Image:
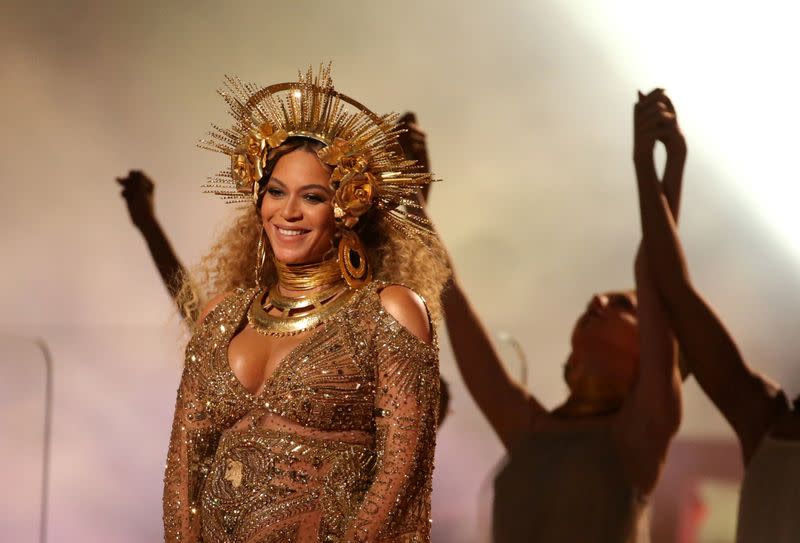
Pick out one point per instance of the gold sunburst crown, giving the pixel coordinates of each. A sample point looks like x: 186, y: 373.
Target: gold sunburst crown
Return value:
x: 369, y: 169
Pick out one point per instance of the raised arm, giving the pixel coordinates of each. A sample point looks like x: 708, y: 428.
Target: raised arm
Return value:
x: 396, y: 506
x: 747, y: 400
x: 652, y: 413
x: 675, y: 144
x: 137, y: 189
x: 506, y: 404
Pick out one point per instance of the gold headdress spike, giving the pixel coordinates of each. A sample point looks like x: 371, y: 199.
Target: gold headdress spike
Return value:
x: 369, y: 168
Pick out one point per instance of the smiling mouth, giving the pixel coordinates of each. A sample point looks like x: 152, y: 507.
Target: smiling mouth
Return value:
x: 291, y: 232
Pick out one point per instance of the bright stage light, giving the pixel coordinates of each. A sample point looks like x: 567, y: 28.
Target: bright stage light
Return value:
x: 732, y: 70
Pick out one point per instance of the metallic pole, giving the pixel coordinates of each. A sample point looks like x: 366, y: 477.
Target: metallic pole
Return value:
x: 48, y: 418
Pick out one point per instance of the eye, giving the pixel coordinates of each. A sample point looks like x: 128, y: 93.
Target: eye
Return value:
x: 314, y: 198
x: 275, y: 192
x: 624, y: 302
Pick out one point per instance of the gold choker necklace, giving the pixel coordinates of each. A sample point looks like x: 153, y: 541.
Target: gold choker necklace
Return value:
x: 312, y: 310
x: 315, y: 300
x: 304, y: 312
x: 308, y: 276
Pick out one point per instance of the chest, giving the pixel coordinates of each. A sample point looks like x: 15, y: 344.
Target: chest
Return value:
x: 330, y: 363
x: 323, y: 378
x: 253, y: 357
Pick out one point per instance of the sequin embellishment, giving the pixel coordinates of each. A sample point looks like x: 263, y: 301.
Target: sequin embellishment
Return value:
x: 281, y: 465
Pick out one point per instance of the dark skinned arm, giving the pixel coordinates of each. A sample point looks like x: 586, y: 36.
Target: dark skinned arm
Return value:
x: 747, y: 400
x: 651, y: 415
x: 137, y: 189
x: 509, y: 408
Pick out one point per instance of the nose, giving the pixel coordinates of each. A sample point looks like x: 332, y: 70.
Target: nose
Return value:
x: 599, y: 302
x: 291, y: 209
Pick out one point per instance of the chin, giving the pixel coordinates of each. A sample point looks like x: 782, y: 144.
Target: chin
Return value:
x: 292, y: 257
x: 297, y: 255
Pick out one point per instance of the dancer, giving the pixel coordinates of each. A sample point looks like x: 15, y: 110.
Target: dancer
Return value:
x: 307, y: 406
x: 583, y: 471
x: 768, y: 429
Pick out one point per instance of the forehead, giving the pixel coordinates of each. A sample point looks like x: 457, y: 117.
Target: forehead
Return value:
x: 300, y: 164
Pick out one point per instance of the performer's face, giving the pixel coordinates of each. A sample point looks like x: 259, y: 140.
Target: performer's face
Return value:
x: 296, y: 209
x: 605, y: 346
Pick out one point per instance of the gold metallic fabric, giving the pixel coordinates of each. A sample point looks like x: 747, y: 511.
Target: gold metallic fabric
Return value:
x: 338, y: 446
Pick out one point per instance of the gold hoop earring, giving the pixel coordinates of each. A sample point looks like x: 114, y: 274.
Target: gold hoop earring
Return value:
x: 261, y: 256
x: 353, y: 260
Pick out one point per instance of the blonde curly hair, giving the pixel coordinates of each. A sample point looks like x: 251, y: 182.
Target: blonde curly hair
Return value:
x: 417, y: 263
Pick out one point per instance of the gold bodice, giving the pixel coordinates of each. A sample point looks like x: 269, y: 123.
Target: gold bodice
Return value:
x: 325, y: 382
x: 360, y: 373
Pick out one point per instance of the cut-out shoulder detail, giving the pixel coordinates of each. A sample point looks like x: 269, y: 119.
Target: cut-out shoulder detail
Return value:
x: 408, y: 308
x: 209, y: 307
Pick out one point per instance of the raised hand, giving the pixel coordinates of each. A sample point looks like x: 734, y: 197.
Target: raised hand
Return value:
x: 655, y: 120
x: 413, y: 140
x: 414, y: 146
x: 137, y: 189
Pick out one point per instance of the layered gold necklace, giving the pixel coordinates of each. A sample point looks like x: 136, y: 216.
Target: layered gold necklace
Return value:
x: 326, y: 294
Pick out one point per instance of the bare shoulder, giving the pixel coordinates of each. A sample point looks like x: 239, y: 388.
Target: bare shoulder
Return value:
x: 408, y: 308
x: 212, y: 303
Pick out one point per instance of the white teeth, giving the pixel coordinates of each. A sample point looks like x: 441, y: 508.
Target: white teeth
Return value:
x: 285, y: 232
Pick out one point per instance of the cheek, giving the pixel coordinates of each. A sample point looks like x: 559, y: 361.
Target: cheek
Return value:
x: 632, y: 335
x: 268, y: 208
x: 321, y: 216
x: 625, y: 330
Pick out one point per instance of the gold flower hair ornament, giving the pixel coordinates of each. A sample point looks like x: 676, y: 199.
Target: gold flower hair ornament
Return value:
x: 370, y: 170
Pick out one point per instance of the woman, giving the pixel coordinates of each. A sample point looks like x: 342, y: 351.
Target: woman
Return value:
x: 583, y: 471
x: 138, y: 192
x: 768, y: 429
x: 307, y: 406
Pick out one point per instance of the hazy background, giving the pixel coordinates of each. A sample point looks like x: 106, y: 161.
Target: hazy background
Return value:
x: 527, y: 106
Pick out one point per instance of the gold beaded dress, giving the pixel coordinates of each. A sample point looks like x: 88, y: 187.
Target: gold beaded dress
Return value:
x: 284, y: 465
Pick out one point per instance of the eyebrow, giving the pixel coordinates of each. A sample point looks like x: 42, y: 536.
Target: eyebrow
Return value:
x: 304, y: 187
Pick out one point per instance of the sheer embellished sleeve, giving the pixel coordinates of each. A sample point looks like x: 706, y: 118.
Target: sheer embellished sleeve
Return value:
x: 190, y: 450
x: 396, y: 506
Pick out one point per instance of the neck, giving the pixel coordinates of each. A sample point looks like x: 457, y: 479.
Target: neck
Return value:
x: 582, y: 407
x: 302, y: 279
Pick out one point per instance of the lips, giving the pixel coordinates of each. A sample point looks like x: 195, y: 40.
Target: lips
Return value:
x: 289, y: 233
